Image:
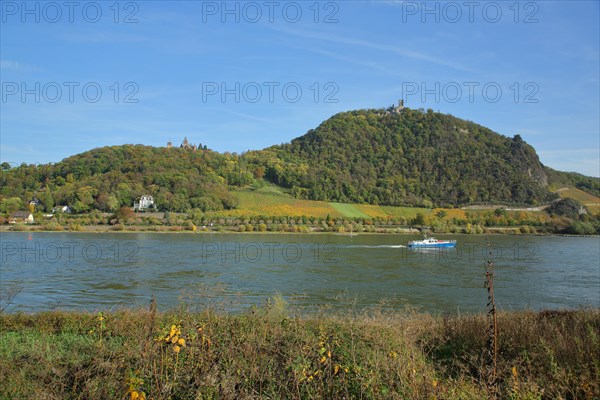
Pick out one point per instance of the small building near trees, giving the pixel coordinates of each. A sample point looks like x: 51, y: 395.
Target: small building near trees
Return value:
x: 144, y: 204
x: 62, y: 209
x: 20, y: 217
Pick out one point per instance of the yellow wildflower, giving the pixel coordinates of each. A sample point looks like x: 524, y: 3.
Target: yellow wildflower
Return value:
x: 323, y: 360
x: 181, y: 342
x: 135, y: 395
x: 176, y: 349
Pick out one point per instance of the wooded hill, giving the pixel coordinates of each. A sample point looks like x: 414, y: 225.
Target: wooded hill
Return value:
x: 406, y: 158
x: 368, y: 156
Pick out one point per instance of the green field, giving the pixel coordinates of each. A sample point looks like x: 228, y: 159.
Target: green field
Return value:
x: 274, y: 201
x: 349, y: 210
x: 271, y: 200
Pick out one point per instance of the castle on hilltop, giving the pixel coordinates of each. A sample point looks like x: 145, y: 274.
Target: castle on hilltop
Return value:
x: 393, y: 109
x: 187, y: 146
x: 396, y: 109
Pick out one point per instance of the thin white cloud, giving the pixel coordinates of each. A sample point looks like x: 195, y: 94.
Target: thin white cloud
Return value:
x: 244, y: 115
x: 357, y: 61
x: 17, y: 66
x: 406, y: 53
x: 394, y: 3
x: 104, y: 37
x: 572, y: 152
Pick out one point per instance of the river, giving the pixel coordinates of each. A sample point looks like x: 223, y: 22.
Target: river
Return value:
x: 107, y: 271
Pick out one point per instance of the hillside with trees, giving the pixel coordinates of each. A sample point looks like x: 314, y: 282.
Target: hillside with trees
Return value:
x: 108, y: 178
x: 586, y: 183
x: 406, y: 158
x: 381, y: 157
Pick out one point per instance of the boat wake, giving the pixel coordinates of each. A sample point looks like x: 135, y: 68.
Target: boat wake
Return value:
x: 381, y: 246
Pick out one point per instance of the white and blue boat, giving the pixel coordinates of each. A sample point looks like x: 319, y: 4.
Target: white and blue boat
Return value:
x: 431, y: 243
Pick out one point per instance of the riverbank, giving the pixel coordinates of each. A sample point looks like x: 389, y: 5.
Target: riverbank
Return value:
x: 268, y: 353
x: 344, y: 218
x: 517, y: 230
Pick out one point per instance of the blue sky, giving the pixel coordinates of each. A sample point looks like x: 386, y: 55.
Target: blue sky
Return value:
x: 247, y: 75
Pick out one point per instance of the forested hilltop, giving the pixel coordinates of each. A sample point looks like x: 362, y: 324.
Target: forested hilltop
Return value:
x: 385, y: 157
x: 406, y: 158
x: 110, y: 177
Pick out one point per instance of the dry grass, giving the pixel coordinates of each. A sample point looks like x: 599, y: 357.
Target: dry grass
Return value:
x: 254, y: 203
x: 267, y: 353
x: 405, y: 212
x: 552, y: 354
x: 577, y: 194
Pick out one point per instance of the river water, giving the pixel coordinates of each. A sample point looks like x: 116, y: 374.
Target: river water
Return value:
x: 107, y: 271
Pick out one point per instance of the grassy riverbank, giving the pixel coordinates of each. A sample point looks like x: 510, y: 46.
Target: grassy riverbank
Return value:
x: 267, y: 353
x: 270, y: 209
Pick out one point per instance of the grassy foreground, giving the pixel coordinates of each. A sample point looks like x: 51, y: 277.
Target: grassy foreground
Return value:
x: 266, y: 353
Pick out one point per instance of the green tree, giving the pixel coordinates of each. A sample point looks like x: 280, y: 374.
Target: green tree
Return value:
x: 124, y: 215
x: 123, y: 194
x: 11, y: 204
x: 112, y: 203
x: 418, y: 220
x: 48, y: 201
x: 85, y: 196
x: 500, y: 212
x: 179, y: 203
x: 569, y: 208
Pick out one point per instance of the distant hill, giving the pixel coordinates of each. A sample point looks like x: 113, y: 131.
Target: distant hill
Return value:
x: 369, y: 156
x: 110, y: 177
x: 406, y: 158
x: 586, y: 183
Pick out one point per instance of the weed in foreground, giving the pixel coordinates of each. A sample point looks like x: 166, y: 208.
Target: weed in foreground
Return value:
x: 267, y: 353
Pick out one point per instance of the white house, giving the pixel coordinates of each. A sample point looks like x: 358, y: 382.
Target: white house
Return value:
x: 62, y: 209
x: 145, y: 203
x: 34, y: 202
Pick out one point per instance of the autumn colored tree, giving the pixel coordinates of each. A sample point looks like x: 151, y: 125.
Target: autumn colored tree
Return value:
x: 123, y: 216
